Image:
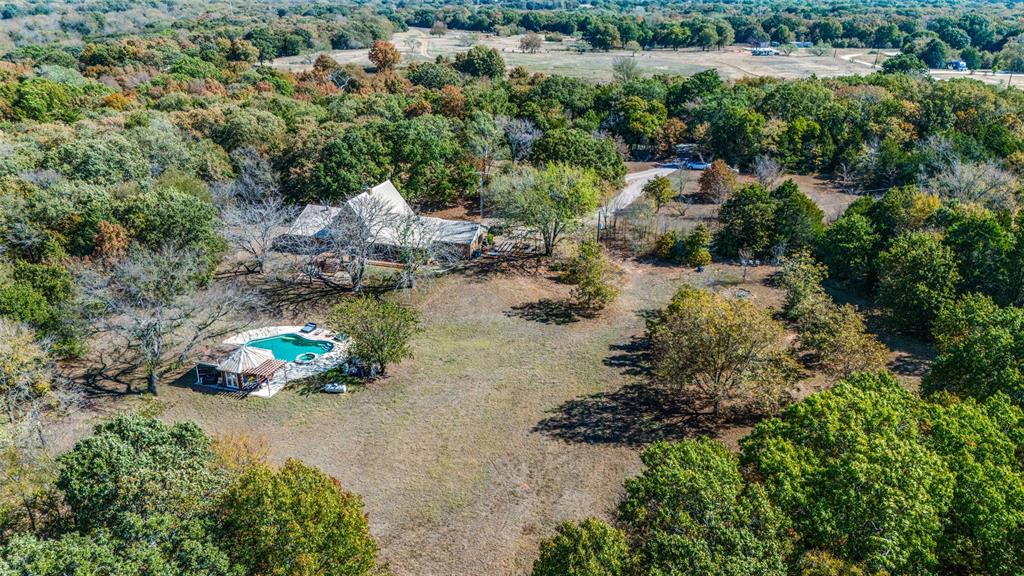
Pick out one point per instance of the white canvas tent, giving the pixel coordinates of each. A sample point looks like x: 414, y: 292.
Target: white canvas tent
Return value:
x: 403, y: 226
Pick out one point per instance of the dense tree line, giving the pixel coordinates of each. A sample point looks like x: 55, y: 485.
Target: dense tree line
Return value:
x: 142, y: 497
x: 865, y: 478
x: 935, y: 33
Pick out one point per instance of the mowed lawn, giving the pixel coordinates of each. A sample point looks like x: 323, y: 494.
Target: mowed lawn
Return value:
x: 452, y: 452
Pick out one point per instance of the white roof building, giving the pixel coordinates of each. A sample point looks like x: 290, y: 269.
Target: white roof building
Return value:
x: 384, y: 206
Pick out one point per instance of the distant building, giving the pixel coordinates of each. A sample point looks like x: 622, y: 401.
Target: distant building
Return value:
x: 803, y: 44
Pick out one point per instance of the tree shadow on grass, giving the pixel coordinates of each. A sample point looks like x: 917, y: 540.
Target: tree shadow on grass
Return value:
x: 635, y: 415
x: 545, y: 311
x: 639, y: 413
x: 633, y: 358
x: 313, y: 385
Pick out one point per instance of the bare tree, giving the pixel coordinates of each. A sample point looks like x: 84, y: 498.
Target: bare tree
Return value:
x: 256, y: 179
x: 149, y: 306
x: 986, y: 184
x: 486, y: 144
x: 520, y: 134
x: 26, y: 381
x: 252, y: 225
x: 419, y: 246
x: 768, y: 171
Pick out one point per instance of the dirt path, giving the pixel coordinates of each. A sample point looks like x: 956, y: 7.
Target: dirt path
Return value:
x: 634, y: 187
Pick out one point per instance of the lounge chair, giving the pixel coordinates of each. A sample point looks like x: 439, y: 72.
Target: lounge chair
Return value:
x: 308, y: 328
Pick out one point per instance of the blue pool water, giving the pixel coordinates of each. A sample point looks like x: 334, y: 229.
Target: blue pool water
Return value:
x: 288, y: 347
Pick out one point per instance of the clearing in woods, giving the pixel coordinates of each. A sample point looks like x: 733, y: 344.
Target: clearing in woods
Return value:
x: 417, y: 45
x: 733, y: 62
x: 513, y: 415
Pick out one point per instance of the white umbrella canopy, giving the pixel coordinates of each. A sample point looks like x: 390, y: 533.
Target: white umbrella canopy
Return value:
x: 244, y: 359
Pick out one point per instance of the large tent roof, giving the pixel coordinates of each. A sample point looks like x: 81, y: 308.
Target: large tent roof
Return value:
x: 398, y: 223
x: 386, y: 195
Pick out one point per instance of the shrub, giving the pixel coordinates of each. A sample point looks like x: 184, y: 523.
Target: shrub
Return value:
x: 591, y: 272
x: 587, y: 548
x: 717, y: 182
x: 380, y: 329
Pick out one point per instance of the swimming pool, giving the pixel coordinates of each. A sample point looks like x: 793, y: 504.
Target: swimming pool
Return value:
x: 288, y: 347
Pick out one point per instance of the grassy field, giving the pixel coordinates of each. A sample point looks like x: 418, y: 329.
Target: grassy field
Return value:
x: 450, y: 451
x: 734, y: 62
x: 514, y: 414
x: 416, y: 45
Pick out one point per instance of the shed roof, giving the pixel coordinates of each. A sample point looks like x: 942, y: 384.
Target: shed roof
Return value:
x: 244, y: 360
x: 313, y: 220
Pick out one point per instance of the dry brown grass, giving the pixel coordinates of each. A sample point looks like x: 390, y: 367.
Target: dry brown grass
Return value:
x: 506, y: 422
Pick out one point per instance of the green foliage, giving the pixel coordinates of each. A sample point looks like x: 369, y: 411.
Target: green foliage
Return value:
x: 355, y: 158
x: 295, y: 521
x: 480, y: 61
x: 835, y: 335
x: 904, y: 64
x: 587, y: 548
x: 21, y: 303
x: 690, y: 512
x: 135, y: 467
x: 798, y: 222
x: 762, y: 222
x: 168, y: 217
x: 696, y: 247
x: 99, y: 159
x: 983, y: 248
x: 248, y: 127
x: 659, y: 190
x: 591, y: 272
x: 746, y: 220
x: 715, y: 350
x: 665, y: 245
x: 428, y: 155
x: 99, y: 552
x: 801, y: 279
x: 380, y: 329
x: 192, y: 67
x: 45, y: 101
x: 550, y: 201
x: 849, y: 247
x: 577, y: 148
x: 849, y: 458
x: 433, y: 75
x: 916, y: 276
x: 981, y: 443
x: 981, y: 349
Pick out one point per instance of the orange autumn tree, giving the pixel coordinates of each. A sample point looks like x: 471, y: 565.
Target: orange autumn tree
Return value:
x: 384, y: 55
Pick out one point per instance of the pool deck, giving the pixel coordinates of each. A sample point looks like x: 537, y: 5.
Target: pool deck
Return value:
x: 291, y: 370
x: 271, y: 331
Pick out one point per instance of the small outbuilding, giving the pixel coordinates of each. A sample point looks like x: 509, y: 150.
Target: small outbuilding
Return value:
x: 248, y: 367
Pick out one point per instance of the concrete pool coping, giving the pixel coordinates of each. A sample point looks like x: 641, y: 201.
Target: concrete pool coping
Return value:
x: 292, y: 371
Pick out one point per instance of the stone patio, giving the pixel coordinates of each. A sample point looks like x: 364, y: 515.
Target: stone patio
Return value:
x: 292, y: 371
